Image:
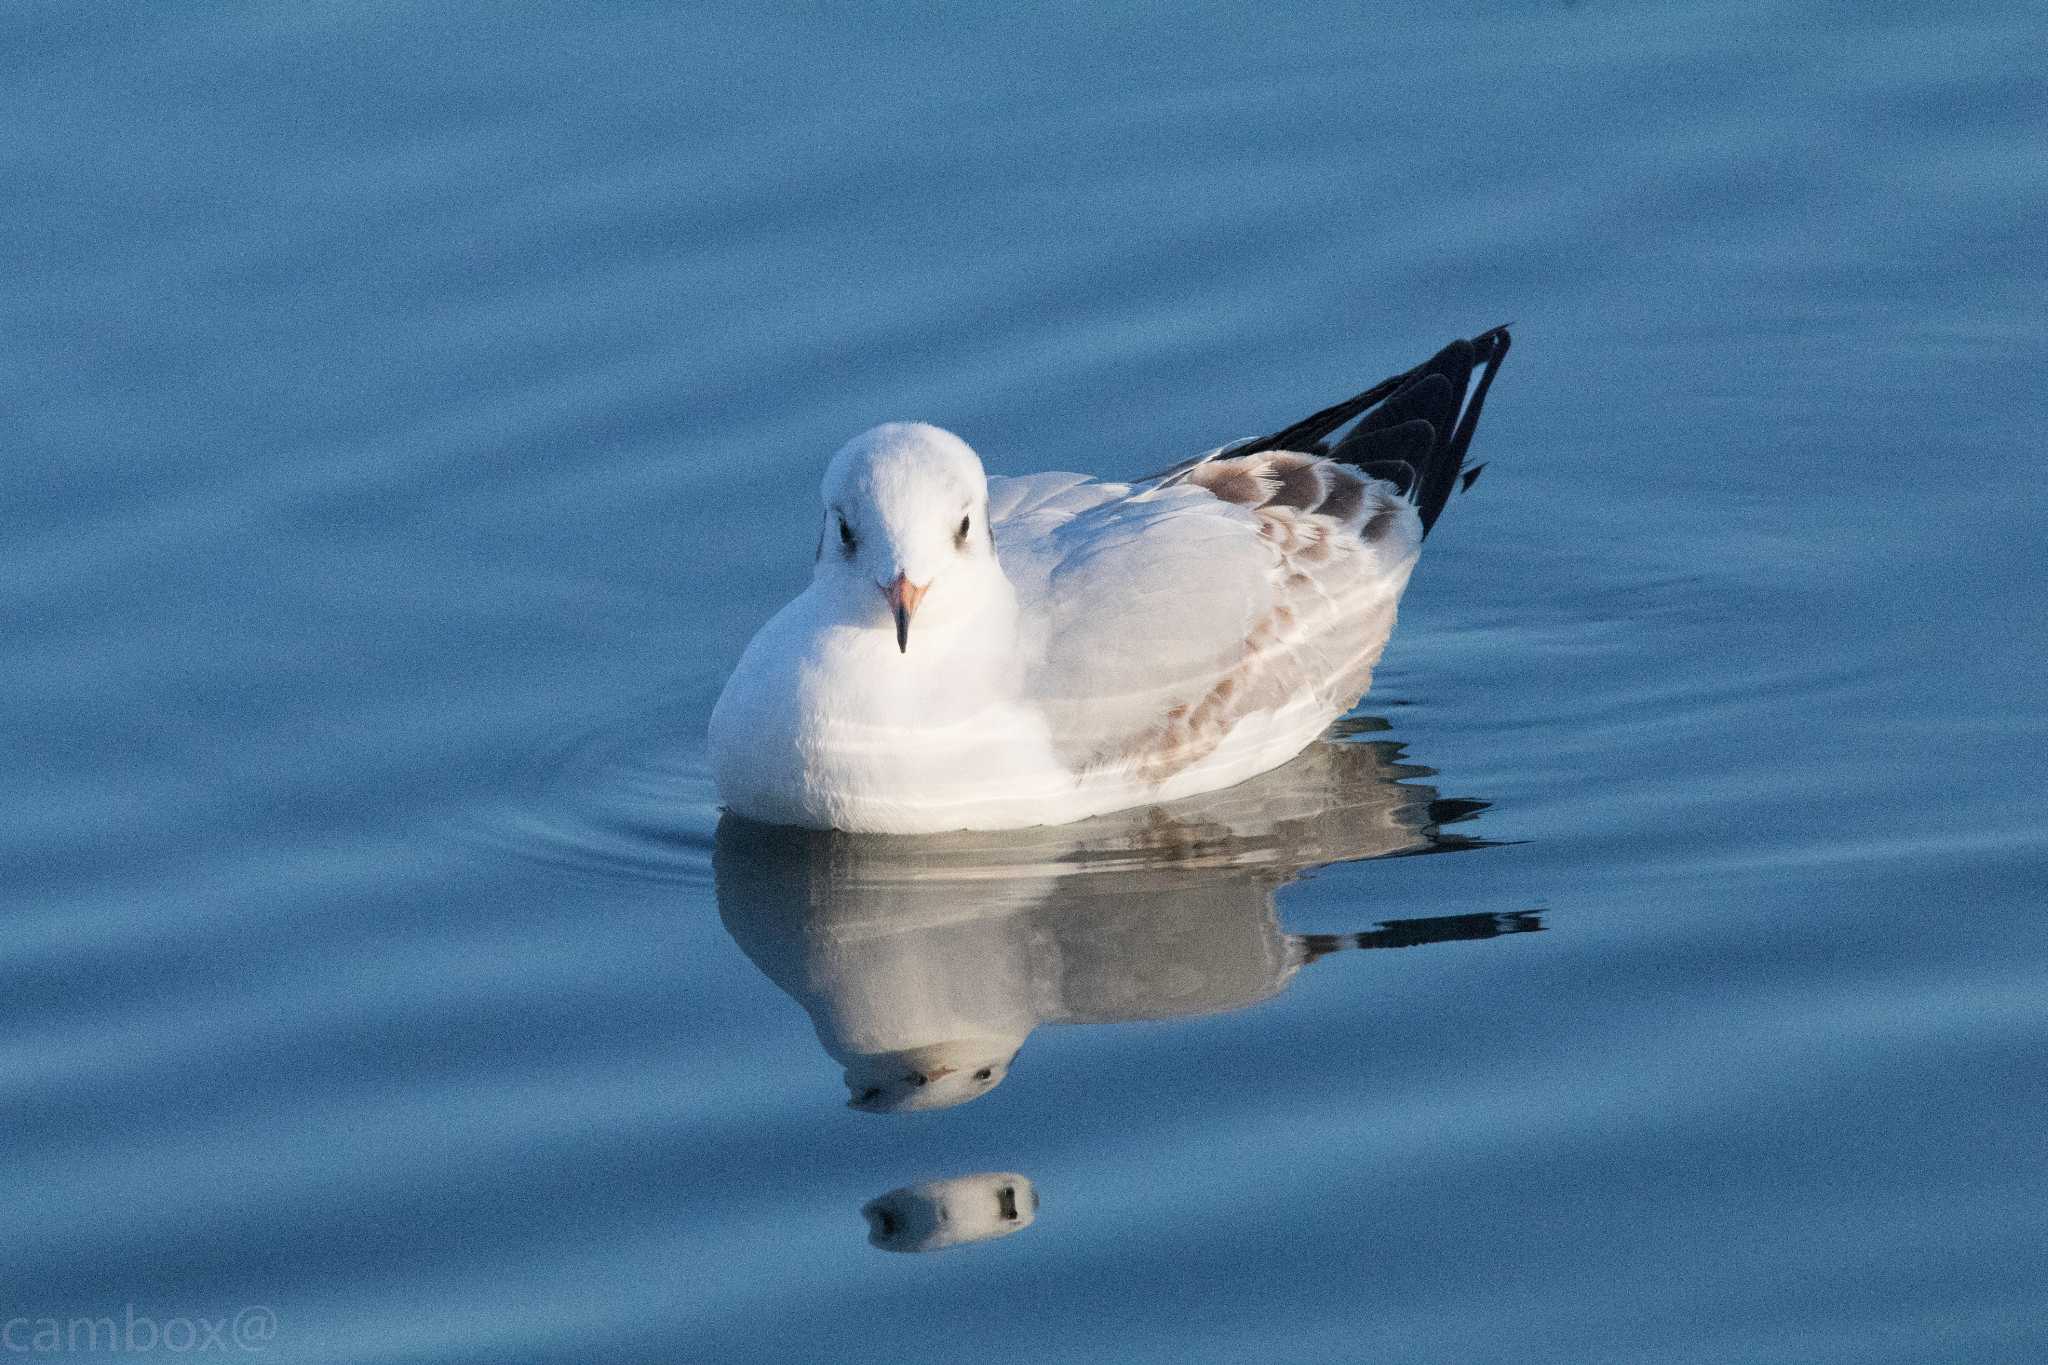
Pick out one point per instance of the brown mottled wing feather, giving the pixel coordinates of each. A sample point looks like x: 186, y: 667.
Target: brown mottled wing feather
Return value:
x: 1257, y: 583
x: 1412, y: 429
x: 1340, y: 546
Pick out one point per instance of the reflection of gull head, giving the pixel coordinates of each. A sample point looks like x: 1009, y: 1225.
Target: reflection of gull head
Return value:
x: 937, y: 1076
x: 950, y: 1213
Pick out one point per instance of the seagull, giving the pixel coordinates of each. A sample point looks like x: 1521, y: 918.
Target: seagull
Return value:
x: 998, y: 653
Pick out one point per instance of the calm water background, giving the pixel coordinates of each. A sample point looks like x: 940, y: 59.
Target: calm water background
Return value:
x: 407, y: 412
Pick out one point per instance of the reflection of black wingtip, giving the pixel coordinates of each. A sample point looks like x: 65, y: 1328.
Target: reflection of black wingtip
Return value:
x: 1451, y: 809
x: 1414, y: 933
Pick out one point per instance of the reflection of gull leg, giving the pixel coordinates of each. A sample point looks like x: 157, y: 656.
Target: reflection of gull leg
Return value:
x: 1413, y: 933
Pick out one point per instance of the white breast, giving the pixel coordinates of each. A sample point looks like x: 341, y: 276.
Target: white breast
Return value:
x: 832, y: 727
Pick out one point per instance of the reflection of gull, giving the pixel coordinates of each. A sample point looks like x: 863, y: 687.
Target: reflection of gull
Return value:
x: 949, y: 1213
x: 1082, y: 646
x: 924, y: 963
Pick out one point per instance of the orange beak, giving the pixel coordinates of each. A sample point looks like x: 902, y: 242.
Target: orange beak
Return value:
x: 903, y: 597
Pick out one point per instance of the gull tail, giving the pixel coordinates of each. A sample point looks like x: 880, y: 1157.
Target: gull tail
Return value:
x: 1413, y: 429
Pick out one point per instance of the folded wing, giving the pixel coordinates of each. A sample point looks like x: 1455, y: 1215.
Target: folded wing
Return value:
x: 1163, y: 615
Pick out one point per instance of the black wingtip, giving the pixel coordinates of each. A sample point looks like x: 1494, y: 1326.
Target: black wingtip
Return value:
x: 1413, y: 428
x: 1424, y: 417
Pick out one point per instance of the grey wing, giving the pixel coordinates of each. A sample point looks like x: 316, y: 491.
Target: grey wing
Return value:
x: 1162, y: 614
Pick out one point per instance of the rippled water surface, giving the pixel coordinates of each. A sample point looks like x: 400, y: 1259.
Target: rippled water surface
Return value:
x: 408, y: 411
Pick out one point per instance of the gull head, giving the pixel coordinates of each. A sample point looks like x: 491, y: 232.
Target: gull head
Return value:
x: 906, y: 528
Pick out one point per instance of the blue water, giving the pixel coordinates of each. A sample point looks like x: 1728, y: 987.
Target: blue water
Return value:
x: 408, y: 411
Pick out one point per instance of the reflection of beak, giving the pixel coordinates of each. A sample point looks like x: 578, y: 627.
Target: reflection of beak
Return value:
x: 903, y: 597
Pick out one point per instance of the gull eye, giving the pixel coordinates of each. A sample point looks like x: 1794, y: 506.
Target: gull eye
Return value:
x: 960, y: 536
x: 846, y: 535
x: 984, y: 1073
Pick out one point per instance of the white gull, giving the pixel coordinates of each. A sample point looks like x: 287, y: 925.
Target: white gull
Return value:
x: 994, y: 653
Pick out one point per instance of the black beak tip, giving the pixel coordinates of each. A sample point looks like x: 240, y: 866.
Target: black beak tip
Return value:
x: 902, y: 631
